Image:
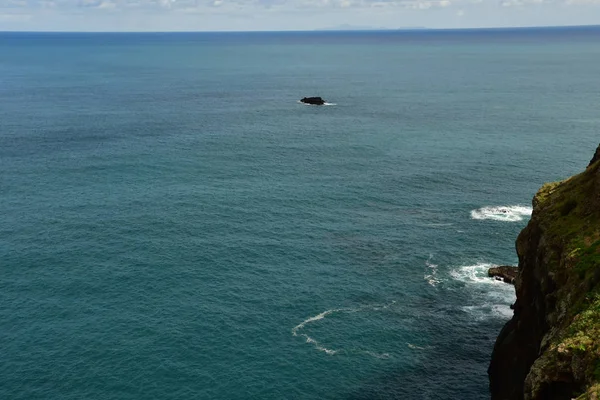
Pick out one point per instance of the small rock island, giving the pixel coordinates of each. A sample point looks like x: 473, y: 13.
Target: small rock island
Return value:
x: 315, y: 101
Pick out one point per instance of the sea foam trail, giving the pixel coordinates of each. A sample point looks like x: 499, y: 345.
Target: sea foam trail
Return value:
x: 502, y: 213
x: 317, y: 317
x: 382, y: 356
x: 296, y: 330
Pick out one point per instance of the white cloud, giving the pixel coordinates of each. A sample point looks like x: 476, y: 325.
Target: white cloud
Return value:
x: 511, y: 3
x: 582, y: 2
x: 107, y: 5
x: 15, y: 17
x: 263, y: 4
x: 289, y: 14
x: 13, y: 4
x: 425, y: 4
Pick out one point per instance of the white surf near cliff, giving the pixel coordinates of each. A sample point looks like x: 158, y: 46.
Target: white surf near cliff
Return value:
x: 502, y: 213
x: 495, y: 297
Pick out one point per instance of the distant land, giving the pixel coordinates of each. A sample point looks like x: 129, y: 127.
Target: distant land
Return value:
x: 348, y: 27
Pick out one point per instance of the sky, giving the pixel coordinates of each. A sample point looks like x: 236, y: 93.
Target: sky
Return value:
x: 252, y: 15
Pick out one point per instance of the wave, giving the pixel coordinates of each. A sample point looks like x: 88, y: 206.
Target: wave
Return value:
x: 476, y: 273
x: 325, y: 104
x: 431, y: 272
x: 318, y: 346
x: 496, y: 297
x: 437, y: 225
x: 502, y: 213
x: 382, y: 356
x: 487, y: 310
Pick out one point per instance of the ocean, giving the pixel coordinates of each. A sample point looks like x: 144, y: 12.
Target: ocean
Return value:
x: 174, y: 224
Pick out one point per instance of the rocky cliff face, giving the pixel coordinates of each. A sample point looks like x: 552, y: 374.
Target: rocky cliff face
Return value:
x: 550, y: 349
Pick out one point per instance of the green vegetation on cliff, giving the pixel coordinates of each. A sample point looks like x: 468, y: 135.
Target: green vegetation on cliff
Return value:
x: 552, y: 344
x: 569, y: 214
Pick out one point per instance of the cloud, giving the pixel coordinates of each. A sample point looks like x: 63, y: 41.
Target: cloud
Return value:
x: 520, y: 3
x: 15, y: 17
x: 269, y: 4
x: 107, y: 5
x: 510, y: 3
x: 288, y: 14
x: 13, y: 4
x: 582, y: 2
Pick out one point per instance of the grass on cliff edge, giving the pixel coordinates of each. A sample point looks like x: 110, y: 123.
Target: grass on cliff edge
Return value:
x: 582, y: 340
x: 569, y: 214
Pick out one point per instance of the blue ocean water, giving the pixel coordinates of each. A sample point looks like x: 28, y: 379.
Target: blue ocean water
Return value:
x: 174, y: 224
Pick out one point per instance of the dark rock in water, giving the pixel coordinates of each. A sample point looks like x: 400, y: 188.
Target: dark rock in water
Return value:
x: 504, y: 272
x: 596, y: 156
x: 317, y: 101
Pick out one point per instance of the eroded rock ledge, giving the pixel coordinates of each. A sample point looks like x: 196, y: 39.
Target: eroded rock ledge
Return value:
x: 504, y: 273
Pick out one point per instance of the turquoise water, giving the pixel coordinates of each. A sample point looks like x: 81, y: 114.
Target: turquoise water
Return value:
x: 176, y: 225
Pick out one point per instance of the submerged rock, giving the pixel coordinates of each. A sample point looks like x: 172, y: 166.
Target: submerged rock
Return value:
x: 317, y: 101
x: 506, y: 273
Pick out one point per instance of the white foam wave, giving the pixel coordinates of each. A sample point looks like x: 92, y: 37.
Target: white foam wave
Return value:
x: 414, y: 346
x: 437, y: 224
x: 489, y: 310
x: 324, y: 104
x: 502, y: 213
x: 476, y: 273
x: 313, y: 319
x: 382, y: 356
x: 493, y: 298
x: 503, y: 311
x: 318, y: 346
x: 374, y: 308
x: 431, y: 272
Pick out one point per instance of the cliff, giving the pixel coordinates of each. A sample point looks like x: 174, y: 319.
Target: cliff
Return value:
x: 550, y: 349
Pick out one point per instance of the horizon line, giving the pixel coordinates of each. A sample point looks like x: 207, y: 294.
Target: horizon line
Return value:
x: 325, y: 30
